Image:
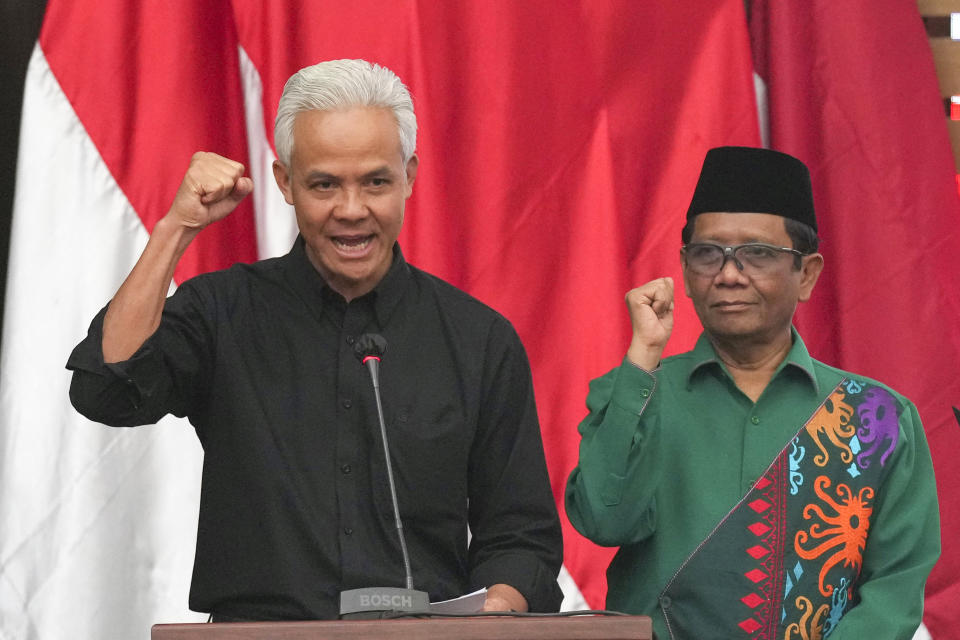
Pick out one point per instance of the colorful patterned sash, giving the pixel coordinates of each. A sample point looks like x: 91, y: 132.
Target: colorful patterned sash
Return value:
x: 784, y: 563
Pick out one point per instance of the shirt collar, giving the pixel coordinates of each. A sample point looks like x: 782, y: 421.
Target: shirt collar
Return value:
x: 315, y: 292
x: 798, y: 358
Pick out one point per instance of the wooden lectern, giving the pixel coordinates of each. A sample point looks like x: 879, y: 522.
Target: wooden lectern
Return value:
x: 484, y: 628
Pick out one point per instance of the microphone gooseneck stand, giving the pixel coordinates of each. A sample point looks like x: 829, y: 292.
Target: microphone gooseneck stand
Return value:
x: 376, y: 602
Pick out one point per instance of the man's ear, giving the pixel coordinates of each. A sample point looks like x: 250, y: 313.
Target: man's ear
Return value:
x: 411, y: 172
x: 282, y: 176
x: 809, y: 273
x: 686, y: 281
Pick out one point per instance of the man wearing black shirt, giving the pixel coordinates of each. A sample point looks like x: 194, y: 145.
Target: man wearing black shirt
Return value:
x: 295, y: 505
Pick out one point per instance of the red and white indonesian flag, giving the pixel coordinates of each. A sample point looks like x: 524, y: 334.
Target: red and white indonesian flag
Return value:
x: 559, y: 146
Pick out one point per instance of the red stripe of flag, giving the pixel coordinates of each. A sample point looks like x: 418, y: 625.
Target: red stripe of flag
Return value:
x: 161, y: 83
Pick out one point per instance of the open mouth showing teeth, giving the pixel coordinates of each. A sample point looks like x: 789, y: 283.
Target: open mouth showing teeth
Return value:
x: 352, y: 243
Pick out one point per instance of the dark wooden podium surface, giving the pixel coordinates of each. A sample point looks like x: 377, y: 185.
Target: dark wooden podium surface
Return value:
x: 485, y: 628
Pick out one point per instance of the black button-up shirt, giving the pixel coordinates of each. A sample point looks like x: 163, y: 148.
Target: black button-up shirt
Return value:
x: 295, y: 502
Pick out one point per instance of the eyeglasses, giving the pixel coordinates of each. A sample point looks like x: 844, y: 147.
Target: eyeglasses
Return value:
x: 753, y: 258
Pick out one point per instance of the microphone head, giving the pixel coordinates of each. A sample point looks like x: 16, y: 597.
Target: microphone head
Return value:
x: 369, y: 345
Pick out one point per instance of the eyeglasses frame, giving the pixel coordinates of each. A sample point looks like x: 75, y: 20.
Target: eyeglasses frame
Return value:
x: 729, y: 252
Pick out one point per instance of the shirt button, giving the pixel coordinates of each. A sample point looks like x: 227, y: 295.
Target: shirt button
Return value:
x: 348, y: 531
x: 351, y: 340
x: 644, y: 392
x: 665, y: 602
x: 345, y: 468
x: 755, y: 419
x: 346, y: 403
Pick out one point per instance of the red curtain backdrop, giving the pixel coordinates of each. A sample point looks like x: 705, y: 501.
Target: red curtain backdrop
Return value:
x: 853, y: 93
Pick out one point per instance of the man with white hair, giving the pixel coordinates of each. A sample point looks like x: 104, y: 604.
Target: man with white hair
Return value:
x: 295, y: 503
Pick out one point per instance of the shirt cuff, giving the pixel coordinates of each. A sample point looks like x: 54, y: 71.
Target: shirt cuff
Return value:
x: 525, y: 573
x: 633, y: 387
x: 111, y: 393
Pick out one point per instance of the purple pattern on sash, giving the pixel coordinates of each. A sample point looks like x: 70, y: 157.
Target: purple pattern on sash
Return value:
x: 879, y: 426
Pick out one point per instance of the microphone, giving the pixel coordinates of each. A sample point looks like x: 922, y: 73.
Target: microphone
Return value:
x: 369, y: 602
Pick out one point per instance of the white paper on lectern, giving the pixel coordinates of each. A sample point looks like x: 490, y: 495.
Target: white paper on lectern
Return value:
x: 469, y: 603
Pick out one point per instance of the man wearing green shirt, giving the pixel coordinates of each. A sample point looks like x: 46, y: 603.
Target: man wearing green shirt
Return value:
x: 754, y: 492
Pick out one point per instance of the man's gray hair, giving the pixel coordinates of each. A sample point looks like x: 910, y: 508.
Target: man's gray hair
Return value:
x: 341, y: 84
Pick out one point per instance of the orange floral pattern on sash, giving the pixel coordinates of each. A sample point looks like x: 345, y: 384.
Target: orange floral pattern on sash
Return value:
x: 843, y: 530
x: 832, y: 420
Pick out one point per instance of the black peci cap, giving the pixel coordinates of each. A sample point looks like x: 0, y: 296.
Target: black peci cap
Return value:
x: 751, y: 180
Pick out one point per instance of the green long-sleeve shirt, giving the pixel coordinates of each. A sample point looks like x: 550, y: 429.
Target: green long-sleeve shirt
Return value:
x: 665, y: 455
